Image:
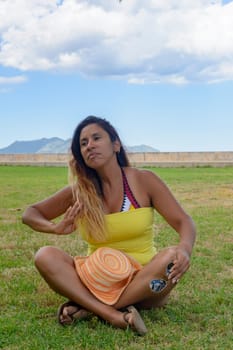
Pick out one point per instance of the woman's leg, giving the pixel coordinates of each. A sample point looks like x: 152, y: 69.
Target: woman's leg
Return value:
x: 57, y: 268
x: 150, y: 287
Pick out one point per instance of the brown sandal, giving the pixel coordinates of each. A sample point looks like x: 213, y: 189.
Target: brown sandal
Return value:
x: 137, y: 324
x: 69, y: 312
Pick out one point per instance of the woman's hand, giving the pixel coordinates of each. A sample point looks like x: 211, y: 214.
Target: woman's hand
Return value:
x: 181, y: 264
x: 68, y: 223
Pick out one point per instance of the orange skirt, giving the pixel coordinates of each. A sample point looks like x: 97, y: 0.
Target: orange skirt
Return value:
x: 106, y: 273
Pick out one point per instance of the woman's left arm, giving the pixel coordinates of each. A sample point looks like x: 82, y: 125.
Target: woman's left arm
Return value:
x: 165, y: 203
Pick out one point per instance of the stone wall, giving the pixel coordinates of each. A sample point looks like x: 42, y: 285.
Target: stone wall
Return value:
x: 160, y: 159
x: 183, y: 159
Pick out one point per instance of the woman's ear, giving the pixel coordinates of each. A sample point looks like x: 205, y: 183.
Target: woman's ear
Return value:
x: 116, y: 146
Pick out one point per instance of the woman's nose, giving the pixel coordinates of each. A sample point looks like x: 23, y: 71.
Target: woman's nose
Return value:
x: 90, y: 144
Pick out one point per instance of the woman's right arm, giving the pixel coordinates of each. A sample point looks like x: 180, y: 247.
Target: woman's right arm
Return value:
x: 39, y: 216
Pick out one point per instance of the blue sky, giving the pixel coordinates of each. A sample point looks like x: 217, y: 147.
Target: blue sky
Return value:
x: 161, y: 73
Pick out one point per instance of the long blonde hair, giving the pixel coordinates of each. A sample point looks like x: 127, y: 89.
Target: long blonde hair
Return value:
x: 86, y: 183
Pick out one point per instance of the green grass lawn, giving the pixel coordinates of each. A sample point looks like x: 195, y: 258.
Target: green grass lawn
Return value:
x: 199, y: 314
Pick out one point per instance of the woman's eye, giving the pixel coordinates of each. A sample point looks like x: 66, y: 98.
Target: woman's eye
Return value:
x: 96, y: 138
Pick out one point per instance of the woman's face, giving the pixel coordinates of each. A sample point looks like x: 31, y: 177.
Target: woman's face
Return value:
x: 96, y: 147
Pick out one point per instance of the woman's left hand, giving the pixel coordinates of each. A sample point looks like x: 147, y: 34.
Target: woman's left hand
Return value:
x: 181, y: 264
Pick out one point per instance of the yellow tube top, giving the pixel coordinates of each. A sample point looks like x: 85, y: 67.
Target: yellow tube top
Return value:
x: 129, y: 231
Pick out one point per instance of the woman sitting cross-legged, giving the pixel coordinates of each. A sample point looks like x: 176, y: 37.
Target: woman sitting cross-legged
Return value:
x: 112, y: 206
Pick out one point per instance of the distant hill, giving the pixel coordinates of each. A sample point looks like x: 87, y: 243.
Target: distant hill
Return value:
x: 141, y: 149
x: 56, y: 145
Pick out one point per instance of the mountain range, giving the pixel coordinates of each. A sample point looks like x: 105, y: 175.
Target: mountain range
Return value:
x: 57, y: 145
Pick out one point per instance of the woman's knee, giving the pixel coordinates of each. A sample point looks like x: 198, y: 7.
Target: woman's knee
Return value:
x: 44, y: 256
x: 51, y: 259
x: 161, y: 264
x: 165, y: 256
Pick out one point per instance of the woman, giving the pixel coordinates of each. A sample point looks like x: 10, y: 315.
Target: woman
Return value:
x: 111, y: 204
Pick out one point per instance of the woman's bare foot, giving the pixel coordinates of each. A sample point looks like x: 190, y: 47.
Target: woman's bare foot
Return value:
x: 70, y: 312
x: 134, y: 320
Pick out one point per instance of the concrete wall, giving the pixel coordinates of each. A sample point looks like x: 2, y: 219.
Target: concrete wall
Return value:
x: 160, y: 159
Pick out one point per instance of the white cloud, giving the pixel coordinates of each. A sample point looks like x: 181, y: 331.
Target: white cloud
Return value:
x: 19, y: 79
x: 7, y: 82
x: 137, y: 40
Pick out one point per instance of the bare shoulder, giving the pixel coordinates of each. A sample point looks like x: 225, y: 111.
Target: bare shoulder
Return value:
x: 151, y: 190
x: 144, y: 183
x: 142, y: 175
